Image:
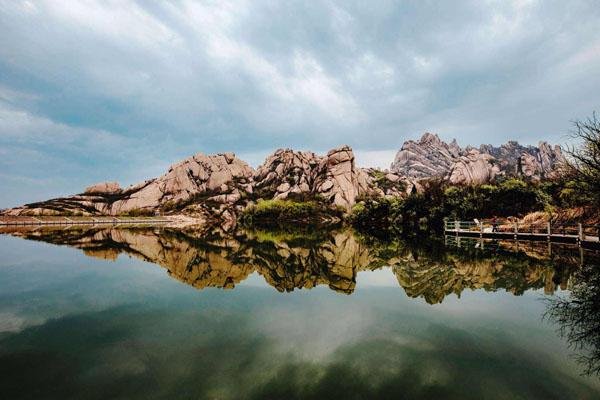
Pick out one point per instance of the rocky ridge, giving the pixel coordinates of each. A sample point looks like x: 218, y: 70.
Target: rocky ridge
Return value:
x: 432, y: 157
x: 218, y: 187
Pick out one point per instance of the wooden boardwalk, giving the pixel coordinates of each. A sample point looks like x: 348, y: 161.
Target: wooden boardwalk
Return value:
x: 57, y: 220
x: 584, y: 235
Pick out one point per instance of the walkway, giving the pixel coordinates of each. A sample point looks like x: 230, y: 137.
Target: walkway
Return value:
x: 583, y: 235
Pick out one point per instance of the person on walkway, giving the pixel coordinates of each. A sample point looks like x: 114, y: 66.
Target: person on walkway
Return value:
x: 494, y: 224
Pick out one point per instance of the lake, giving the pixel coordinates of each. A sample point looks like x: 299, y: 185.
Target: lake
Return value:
x: 96, y: 313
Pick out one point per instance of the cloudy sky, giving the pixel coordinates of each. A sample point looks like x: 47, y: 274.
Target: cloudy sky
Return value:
x: 117, y: 90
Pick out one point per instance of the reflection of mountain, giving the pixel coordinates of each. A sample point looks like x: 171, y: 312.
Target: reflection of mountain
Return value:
x: 434, y: 280
x: 288, y: 262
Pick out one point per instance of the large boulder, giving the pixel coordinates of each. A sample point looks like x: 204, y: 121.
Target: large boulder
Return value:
x: 333, y: 177
x: 195, y: 177
x: 474, y: 168
x: 429, y: 157
x: 104, y: 188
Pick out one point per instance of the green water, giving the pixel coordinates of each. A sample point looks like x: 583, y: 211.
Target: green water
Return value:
x: 152, y: 313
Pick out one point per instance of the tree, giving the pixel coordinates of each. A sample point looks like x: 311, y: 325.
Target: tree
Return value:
x: 583, y: 163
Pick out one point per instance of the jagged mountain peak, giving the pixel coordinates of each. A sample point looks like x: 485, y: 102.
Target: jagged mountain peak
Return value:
x: 432, y: 157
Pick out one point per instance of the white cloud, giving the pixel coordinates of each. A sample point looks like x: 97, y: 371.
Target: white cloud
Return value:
x: 20, y: 126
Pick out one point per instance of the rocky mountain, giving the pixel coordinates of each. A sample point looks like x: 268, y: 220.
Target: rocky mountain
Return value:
x: 432, y: 157
x: 429, y: 157
x: 217, y: 178
x: 333, y: 177
x: 218, y: 187
x: 221, y: 185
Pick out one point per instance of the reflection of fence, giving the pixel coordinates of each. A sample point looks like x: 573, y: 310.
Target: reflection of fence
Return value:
x: 567, y: 253
x: 56, y: 220
x: 584, y: 235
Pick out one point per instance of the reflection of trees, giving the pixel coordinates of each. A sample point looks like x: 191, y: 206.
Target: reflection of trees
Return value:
x: 288, y: 261
x: 578, y: 317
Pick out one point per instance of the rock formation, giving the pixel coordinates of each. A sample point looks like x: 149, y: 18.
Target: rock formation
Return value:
x: 334, y: 177
x: 427, y: 158
x: 473, y: 168
x: 104, y: 187
x: 218, y: 187
x: 431, y: 157
x: 220, y: 178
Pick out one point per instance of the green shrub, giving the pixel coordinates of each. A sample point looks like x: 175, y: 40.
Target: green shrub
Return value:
x: 139, y: 212
x: 427, y: 210
x: 278, y: 212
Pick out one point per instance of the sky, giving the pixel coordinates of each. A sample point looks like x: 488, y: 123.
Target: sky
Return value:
x: 95, y: 91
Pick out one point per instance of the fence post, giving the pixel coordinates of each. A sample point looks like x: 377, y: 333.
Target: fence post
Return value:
x: 480, y: 229
x: 581, y: 235
x: 516, y: 229
x: 548, y: 227
x: 456, y: 226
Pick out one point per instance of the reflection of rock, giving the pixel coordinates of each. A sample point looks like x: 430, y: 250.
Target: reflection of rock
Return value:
x: 434, y: 280
x: 288, y: 262
x: 334, y: 262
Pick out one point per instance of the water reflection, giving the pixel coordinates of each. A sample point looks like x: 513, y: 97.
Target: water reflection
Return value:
x: 578, y: 317
x: 287, y: 261
x: 91, y: 329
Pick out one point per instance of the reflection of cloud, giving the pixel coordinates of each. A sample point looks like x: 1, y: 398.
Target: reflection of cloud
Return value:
x: 10, y: 322
x: 336, y: 327
x: 383, y: 277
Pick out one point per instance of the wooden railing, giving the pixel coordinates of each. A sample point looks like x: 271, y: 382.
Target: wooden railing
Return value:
x: 580, y: 232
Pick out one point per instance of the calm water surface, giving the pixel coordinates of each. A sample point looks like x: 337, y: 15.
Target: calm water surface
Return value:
x: 159, y: 313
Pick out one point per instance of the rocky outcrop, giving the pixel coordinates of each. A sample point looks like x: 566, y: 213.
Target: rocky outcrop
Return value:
x: 218, y: 187
x: 431, y: 157
x: 334, y: 177
x: 427, y: 158
x: 473, y: 168
x: 218, y: 179
x: 104, y: 187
